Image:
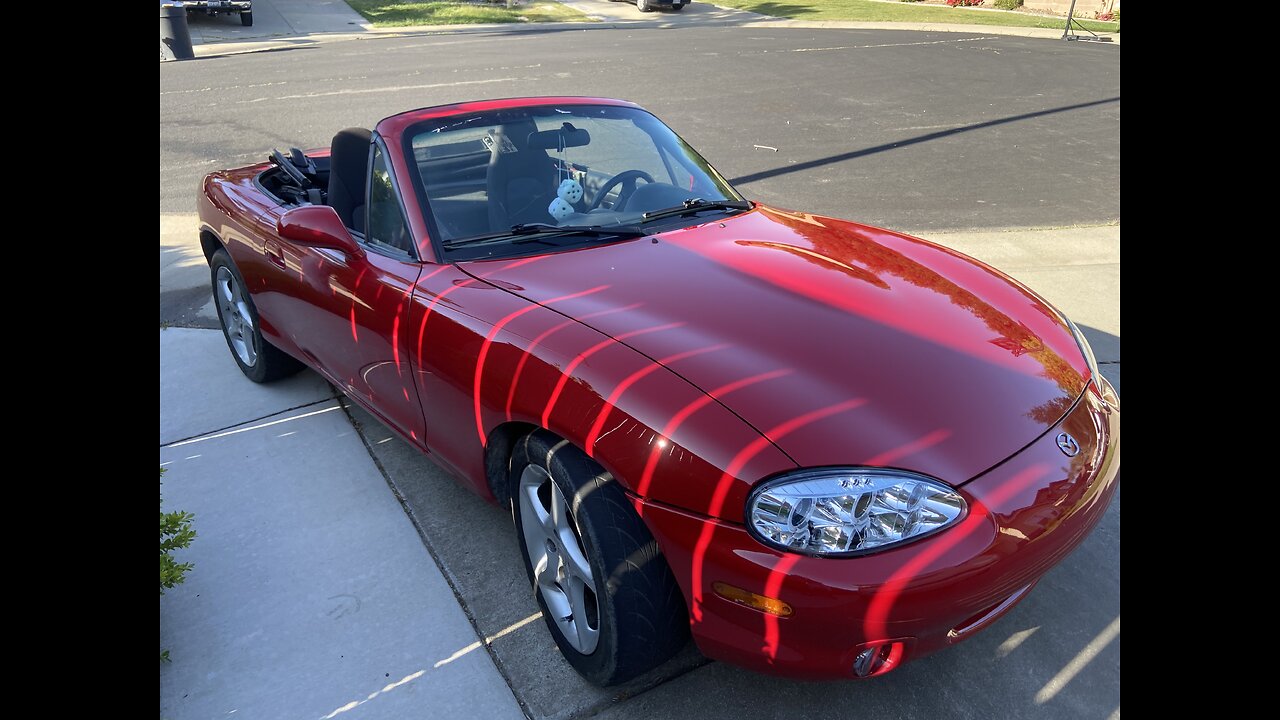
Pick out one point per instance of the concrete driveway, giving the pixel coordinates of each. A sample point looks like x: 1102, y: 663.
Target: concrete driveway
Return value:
x: 275, y: 19
x: 312, y: 594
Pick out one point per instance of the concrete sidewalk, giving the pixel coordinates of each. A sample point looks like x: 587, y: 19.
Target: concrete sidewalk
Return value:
x: 312, y: 594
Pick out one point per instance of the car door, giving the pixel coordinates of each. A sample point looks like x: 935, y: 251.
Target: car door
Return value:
x: 358, y: 304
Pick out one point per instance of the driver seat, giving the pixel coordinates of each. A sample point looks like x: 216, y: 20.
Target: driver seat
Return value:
x: 348, y: 171
x: 521, y: 180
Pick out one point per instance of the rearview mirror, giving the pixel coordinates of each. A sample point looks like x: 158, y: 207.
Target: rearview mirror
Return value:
x: 566, y: 136
x: 317, y: 226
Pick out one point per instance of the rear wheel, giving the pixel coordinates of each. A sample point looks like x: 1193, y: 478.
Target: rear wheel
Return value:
x: 605, y: 590
x: 259, y: 360
x: 246, y: 19
x: 644, y: 5
x: 677, y: 8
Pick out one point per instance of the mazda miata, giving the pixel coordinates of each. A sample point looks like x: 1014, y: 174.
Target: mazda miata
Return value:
x: 822, y: 448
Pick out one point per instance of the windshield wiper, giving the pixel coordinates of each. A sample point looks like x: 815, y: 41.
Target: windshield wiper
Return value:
x: 693, y: 205
x: 536, y: 232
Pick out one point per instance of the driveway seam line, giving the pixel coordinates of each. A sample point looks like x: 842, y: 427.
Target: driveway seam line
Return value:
x: 435, y: 558
x: 215, y: 431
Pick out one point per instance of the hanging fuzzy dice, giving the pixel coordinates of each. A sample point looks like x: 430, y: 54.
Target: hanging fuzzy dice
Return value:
x: 569, y: 192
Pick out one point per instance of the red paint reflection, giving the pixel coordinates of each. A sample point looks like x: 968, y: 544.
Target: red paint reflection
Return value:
x: 915, y: 446
x: 876, y: 625
x: 730, y: 475
x: 426, y: 315
x: 583, y: 356
x: 772, y: 587
x: 630, y: 380
x: 533, y: 344
x: 651, y: 465
x: 488, y: 341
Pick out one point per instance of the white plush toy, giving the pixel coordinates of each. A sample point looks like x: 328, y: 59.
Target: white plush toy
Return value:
x: 568, y: 193
x: 559, y: 209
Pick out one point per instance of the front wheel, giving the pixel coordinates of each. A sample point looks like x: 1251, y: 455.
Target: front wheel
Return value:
x: 678, y: 8
x: 259, y: 360
x: 643, y: 6
x: 246, y: 19
x: 605, y: 590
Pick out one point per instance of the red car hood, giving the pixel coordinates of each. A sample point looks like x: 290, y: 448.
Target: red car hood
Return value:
x: 866, y: 347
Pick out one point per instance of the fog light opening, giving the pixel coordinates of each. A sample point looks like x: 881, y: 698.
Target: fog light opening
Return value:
x: 764, y: 604
x: 877, y: 659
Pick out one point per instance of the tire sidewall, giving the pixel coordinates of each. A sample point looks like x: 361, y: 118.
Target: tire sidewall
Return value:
x: 564, y: 463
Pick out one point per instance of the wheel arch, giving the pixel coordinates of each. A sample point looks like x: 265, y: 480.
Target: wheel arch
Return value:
x: 498, y: 450
x: 210, y: 243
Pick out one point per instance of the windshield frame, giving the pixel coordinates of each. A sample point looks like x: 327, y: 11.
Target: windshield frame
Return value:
x: 448, y: 255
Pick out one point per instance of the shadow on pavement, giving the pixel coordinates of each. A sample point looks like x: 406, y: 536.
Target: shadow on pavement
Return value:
x: 809, y: 165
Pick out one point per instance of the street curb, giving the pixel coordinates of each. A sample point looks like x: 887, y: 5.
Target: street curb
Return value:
x: 240, y: 47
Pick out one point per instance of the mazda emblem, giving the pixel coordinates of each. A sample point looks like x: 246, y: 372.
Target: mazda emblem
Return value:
x: 1068, y: 445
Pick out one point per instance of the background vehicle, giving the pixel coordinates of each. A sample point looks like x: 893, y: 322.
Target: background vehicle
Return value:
x: 243, y: 8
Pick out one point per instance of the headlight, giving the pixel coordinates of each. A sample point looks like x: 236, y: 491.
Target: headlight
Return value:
x: 849, y: 511
x: 1086, y: 350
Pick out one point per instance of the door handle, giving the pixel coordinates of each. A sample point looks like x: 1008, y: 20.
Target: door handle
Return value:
x: 275, y: 255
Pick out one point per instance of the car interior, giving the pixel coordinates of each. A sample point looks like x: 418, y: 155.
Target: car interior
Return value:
x: 483, y: 181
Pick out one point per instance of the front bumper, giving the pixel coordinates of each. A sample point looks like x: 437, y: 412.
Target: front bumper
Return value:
x: 1025, y: 515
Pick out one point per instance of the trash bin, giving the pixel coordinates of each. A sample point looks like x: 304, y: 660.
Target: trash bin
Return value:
x: 175, y: 36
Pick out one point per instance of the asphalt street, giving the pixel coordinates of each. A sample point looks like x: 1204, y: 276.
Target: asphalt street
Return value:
x: 922, y: 131
x: 926, y: 132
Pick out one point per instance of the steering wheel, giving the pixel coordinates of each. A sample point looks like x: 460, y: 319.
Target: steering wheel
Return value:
x: 626, y: 178
x: 290, y: 169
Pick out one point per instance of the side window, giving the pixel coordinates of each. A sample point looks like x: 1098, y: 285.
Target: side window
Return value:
x: 387, y: 227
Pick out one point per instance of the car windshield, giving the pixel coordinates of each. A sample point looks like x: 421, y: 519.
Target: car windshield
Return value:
x: 557, y: 175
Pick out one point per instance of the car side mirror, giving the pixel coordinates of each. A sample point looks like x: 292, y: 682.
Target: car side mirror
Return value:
x: 317, y: 226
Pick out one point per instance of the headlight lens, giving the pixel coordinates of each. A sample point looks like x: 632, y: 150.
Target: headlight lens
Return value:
x: 850, y: 511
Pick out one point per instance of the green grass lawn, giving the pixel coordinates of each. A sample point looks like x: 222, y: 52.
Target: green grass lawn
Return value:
x: 398, y: 13
x: 871, y: 11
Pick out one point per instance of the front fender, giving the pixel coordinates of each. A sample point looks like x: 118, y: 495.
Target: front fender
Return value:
x: 661, y: 437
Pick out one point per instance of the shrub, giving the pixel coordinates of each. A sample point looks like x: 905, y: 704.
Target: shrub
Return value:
x: 964, y: 3
x: 1008, y: 4
x: 175, y: 534
x: 1107, y: 16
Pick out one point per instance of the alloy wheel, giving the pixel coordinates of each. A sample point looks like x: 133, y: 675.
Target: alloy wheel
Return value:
x: 561, y: 572
x: 237, y: 320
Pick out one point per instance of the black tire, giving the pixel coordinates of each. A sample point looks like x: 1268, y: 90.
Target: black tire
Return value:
x: 246, y: 19
x: 641, y: 615
x: 644, y: 6
x: 679, y: 8
x: 269, y: 363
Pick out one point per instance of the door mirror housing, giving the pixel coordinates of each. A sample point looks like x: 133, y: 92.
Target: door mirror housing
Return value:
x: 317, y: 226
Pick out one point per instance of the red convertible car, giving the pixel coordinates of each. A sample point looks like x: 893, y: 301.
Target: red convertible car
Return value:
x: 823, y: 448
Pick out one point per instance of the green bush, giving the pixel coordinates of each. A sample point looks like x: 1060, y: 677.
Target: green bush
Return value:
x: 1008, y: 4
x: 175, y: 534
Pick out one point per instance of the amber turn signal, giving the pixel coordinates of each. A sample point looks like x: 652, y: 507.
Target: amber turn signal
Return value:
x: 773, y: 606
